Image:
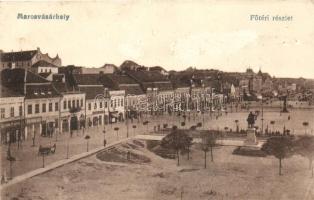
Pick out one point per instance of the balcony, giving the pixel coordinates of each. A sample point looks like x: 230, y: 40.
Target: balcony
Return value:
x: 74, y: 109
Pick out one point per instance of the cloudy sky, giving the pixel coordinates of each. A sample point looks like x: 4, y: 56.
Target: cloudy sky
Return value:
x: 172, y: 34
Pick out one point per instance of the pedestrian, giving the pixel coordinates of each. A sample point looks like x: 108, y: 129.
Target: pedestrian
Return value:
x: 105, y: 142
x: 128, y: 155
x: 71, y: 133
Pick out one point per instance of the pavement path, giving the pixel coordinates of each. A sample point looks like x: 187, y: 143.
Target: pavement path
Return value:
x: 57, y: 164
x: 224, y: 142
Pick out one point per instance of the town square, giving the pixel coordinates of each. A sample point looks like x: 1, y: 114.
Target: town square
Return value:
x: 162, y: 100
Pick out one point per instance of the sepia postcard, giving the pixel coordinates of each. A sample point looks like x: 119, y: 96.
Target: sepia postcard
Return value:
x: 157, y: 100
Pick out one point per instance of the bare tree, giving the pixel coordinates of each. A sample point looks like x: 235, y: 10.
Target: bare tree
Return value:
x: 280, y: 147
x: 208, y: 142
x: 178, y: 141
x: 304, y: 146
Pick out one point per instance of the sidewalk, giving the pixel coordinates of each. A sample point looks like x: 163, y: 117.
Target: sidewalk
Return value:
x: 224, y: 142
x: 27, y: 158
x: 56, y: 165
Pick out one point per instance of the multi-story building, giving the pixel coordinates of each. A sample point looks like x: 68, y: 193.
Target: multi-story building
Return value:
x: 11, y: 116
x: 134, y: 94
x: 72, y: 106
x: 43, y: 66
x: 158, y: 89
x: 41, y: 103
x: 26, y: 59
x: 97, y: 100
x: 117, y: 106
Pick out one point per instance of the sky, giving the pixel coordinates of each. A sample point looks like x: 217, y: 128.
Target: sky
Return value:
x: 172, y: 34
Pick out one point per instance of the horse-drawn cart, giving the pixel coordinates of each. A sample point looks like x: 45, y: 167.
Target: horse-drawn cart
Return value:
x: 46, y: 150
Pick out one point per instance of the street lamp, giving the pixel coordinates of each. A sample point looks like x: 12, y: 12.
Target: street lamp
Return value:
x: 262, y: 119
x: 103, y: 98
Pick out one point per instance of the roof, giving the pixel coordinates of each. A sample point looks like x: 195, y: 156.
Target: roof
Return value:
x: 17, y: 75
x: 44, y: 74
x: 18, y: 56
x: 43, y: 63
x: 147, y: 76
x: 61, y: 87
x: 87, y: 79
x: 41, y: 91
x: 132, y: 90
x: 121, y: 79
x: 92, y: 91
x: 156, y: 68
x: 6, y: 92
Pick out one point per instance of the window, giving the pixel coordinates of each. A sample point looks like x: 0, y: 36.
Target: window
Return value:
x: 30, y: 109
x: 89, y: 106
x: 2, y: 113
x: 69, y: 104
x: 64, y: 105
x: 73, y: 103
x: 81, y: 102
x: 111, y: 103
x: 106, y: 104
x: 121, y: 102
x: 100, y: 104
x: 78, y: 103
x: 12, y: 112
x: 56, y: 106
x: 115, y: 103
x: 50, y: 107
x: 118, y: 102
x: 20, y: 110
x: 43, y: 108
x: 95, y: 106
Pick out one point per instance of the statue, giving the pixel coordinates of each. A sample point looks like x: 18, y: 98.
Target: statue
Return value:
x: 284, y: 109
x: 251, y: 137
x: 251, y: 120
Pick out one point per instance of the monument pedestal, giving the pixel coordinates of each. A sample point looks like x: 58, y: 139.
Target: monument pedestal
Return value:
x: 250, y: 137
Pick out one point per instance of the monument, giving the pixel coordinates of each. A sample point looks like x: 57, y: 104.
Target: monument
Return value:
x: 251, y: 137
x: 284, y: 109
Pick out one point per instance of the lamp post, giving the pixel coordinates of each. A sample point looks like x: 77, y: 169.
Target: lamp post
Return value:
x: 262, y: 119
x: 103, y: 98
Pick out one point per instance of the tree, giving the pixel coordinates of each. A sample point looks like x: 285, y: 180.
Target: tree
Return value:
x: 146, y: 123
x: 237, y: 125
x: 280, y: 147
x: 134, y: 127
x: 208, y: 142
x: 87, y: 137
x: 304, y: 146
x: 305, y: 124
x: 117, y: 129
x: 177, y: 140
x: 273, y: 123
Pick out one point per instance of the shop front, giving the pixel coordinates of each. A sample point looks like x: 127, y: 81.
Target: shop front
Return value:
x: 33, y: 127
x: 12, y: 131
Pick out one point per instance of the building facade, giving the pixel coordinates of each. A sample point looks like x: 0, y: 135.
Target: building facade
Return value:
x: 11, y: 116
x: 26, y: 59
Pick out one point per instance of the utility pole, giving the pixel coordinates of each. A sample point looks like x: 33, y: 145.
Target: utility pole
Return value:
x: 262, y: 131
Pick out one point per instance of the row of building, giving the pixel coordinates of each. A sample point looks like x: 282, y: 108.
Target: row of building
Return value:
x: 39, y: 97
